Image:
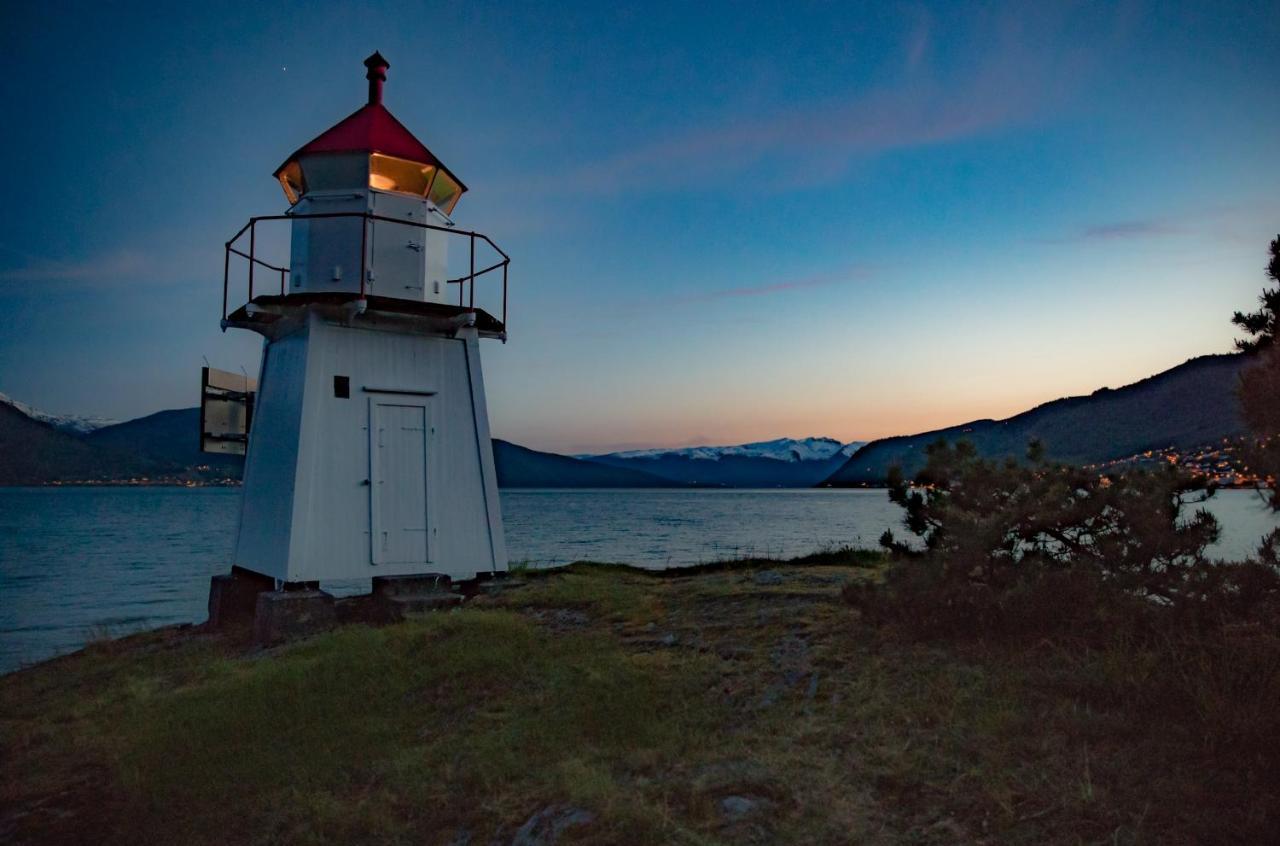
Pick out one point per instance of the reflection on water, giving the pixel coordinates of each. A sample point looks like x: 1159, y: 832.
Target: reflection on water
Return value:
x: 673, y: 528
x: 75, y: 562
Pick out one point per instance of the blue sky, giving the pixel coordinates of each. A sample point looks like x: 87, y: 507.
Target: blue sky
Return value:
x: 728, y: 222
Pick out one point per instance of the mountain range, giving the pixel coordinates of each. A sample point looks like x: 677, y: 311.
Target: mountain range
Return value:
x: 35, y: 452
x: 69, y: 423
x: 163, y: 447
x: 1185, y: 407
x: 521, y: 467
x: 780, y: 463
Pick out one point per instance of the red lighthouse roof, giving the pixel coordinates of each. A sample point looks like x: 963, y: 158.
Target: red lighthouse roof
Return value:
x: 372, y: 129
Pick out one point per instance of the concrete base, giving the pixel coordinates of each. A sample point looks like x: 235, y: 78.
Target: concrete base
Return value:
x: 490, y: 584
x: 233, y: 597
x: 399, y: 596
x: 388, y: 586
x: 283, y: 615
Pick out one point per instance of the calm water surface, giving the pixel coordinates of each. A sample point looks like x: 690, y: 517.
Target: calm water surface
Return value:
x: 79, y: 562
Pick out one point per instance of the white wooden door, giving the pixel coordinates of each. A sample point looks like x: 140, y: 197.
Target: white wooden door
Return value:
x: 399, y: 250
x: 325, y: 252
x: 398, y: 483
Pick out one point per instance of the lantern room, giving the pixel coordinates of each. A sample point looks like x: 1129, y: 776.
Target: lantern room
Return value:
x: 370, y: 164
x: 370, y: 149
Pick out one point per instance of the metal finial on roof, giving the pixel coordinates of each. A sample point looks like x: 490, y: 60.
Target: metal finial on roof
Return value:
x: 377, y: 75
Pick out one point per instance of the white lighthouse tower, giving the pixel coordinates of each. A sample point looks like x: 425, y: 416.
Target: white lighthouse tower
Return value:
x: 369, y: 453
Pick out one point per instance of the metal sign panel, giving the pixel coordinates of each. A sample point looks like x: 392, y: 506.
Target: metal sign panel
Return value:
x: 226, y: 411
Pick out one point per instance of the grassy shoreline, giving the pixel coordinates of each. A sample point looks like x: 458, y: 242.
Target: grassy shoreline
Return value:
x: 742, y: 703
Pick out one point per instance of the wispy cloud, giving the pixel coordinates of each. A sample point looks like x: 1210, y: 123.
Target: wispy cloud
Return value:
x: 1222, y: 221
x: 1015, y: 79
x: 1126, y: 229
x: 855, y: 273
x: 818, y: 281
x: 918, y: 40
x: 110, y: 267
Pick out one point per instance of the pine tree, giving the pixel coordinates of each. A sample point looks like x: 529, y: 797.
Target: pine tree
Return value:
x: 1262, y: 324
x: 1259, y: 389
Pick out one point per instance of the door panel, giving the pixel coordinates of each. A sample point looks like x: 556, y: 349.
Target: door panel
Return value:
x: 399, y: 251
x: 398, y: 482
x: 325, y: 252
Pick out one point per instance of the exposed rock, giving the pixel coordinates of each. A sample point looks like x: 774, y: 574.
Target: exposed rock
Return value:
x: 812, y: 690
x: 733, y: 651
x: 735, y: 808
x: 768, y: 578
x: 791, y: 658
x: 949, y: 828
x: 545, y: 827
x: 560, y: 618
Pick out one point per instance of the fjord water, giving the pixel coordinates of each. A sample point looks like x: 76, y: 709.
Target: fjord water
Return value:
x: 79, y: 563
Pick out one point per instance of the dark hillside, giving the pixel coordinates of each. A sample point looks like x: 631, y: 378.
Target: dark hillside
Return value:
x: 33, y: 453
x: 1184, y: 407
x: 170, y: 437
x: 519, y: 467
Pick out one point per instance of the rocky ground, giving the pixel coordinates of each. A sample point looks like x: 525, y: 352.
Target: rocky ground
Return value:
x: 591, y: 705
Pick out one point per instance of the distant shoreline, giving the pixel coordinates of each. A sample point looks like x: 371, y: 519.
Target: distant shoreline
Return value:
x: 131, y: 483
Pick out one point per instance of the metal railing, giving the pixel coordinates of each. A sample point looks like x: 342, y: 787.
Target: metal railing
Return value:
x: 466, y: 284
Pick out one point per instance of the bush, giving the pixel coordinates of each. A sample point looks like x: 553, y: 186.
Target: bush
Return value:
x: 999, y: 524
x: 1038, y: 549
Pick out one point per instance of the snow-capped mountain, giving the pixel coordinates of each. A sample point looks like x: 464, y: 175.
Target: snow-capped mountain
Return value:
x: 70, y: 423
x: 782, y: 462
x: 779, y: 449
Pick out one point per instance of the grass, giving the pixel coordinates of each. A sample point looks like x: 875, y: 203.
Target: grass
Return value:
x: 645, y: 700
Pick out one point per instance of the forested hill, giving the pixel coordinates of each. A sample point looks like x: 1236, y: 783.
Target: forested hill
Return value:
x: 34, y: 452
x: 169, y: 437
x: 1188, y: 406
x: 520, y: 467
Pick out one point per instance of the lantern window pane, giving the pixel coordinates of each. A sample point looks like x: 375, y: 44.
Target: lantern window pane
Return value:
x: 291, y: 181
x: 445, y: 193
x: 387, y: 173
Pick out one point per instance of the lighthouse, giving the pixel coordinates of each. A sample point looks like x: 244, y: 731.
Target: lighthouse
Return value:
x: 369, y: 452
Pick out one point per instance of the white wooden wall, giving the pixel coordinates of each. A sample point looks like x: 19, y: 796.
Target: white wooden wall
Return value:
x: 310, y: 456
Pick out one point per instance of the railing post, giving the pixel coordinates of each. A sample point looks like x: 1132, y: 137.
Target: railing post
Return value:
x: 364, y: 246
x: 473, y: 271
x: 253, y: 232
x: 226, y: 270
x: 504, y: 295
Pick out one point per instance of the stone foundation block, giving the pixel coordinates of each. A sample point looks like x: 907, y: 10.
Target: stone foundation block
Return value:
x: 284, y: 615
x: 400, y: 596
x: 233, y: 597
